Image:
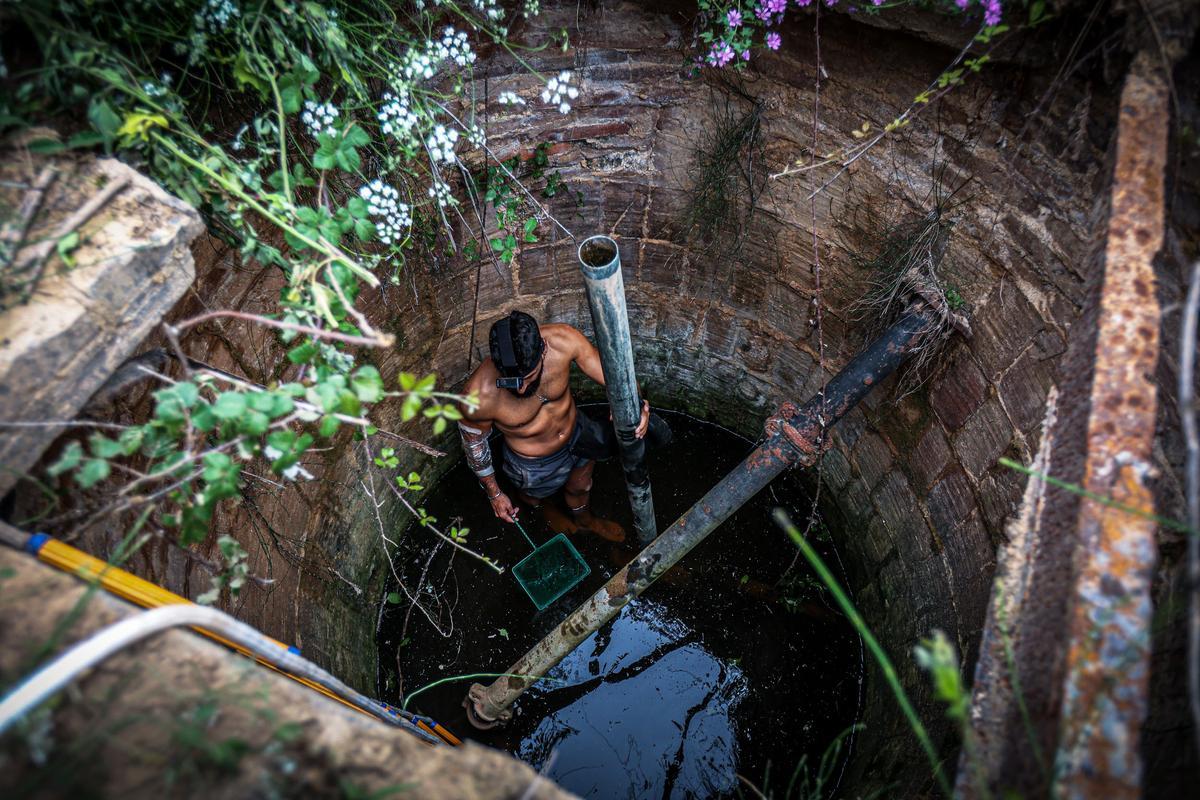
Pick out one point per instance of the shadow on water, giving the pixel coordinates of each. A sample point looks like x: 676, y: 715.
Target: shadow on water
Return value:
x: 734, y: 662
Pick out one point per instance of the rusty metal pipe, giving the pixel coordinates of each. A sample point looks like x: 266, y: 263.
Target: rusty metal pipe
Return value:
x: 793, y: 436
x: 600, y: 263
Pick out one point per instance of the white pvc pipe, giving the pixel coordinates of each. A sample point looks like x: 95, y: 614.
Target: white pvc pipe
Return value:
x: 100, y: 645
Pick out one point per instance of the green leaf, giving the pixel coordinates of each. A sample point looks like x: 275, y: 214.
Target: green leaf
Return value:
x: 244, y: 74
x: 393, y: 598
x: 229, y: 405
x: 93, y: 471
x: 410, y: 407
x: 282, y: 440
x: 367, y: 384
x: 364, y: 230
x: 254, y: 423
x: 326, y: 151
x: 71, y: 456
x: 304, y: 353
x: 348, y: 159
x: 328, y: 426
x: 217, y: 467
x: 65, y: 246
x: 426, y: 384
x: 103, y: 447
x: 203, y: 418
x: 291, y: 96
x: 104, y: 119
x: 131, y: 439
x: 46, y: 146
x: 357, y: 208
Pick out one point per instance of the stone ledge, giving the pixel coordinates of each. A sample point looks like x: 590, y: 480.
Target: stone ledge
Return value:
x: 131, y: 266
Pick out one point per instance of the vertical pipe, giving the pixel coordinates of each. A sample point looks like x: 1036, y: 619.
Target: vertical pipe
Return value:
x: 600, y: 263
x: 793, y: 436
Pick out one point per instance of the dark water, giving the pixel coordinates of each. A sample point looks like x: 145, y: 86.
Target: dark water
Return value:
x: 733, y: 663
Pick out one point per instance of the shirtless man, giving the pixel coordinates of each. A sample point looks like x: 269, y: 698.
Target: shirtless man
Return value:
x: 523, y: 390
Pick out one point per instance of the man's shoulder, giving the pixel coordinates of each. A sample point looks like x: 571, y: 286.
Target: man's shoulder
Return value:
x: 483, y: 383
x: 562, y: 334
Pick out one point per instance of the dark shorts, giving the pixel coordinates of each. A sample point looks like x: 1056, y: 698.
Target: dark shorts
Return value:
x: 541, y: 477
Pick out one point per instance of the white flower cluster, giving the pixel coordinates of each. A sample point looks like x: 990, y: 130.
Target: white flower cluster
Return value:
x: 419, y: 64
x: 320, y: 118
x: 441, y: 143
x: 393, y: 218
x: 510, y: 99
x: 395, y: 117
x: 476, y: 136
x: 440, y: 191
x: 489, y: 8
x: 532, y: 8
x: 558, y: 90
x: 216, y: 14
x: 455, y: 47
x: 153, y: 89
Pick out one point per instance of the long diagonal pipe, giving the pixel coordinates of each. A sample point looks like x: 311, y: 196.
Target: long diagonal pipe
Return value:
x: 600, y: 263
x: 794, y: 436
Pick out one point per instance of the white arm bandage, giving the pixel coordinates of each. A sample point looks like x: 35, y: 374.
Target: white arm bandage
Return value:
x: 479, y: 454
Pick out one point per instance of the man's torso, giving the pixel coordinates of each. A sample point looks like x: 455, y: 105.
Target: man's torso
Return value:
x: 540, y: 423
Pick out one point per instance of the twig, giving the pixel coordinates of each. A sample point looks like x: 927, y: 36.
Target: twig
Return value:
x: 65, y: 424
x: 1187, y: 412
x: 41, y: 253
x: 542, y: 210
x: 912, y: 111
x: 14, y: 232
x: 380, y: 339
x: 376, y: 503
x: 303, y: 405
x: 487, y: 561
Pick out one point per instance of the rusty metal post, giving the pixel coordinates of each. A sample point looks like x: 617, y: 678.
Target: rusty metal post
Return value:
x: 1108, y: 652
x: 600, y: 263
x: 793, y: 436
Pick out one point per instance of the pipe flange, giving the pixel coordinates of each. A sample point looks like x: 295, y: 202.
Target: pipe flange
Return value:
x: 809, y: 445
x: 478, y: 707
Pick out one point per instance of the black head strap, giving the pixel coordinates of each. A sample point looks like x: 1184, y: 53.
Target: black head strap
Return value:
x: 508, y: 359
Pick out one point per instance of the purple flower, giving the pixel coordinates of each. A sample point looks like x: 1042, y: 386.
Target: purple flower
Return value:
x: 991, y: 12
x: 774, y: 40
x: 720, y: 54
x: 745, y: 55
x: 962, y: 4
x: 734, y: 18
x: 831, y: 3
x: 802, y: 3
x: 876, y: 2
x: 770, y: 8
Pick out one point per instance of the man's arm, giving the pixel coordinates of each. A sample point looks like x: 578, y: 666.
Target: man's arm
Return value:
x: 474, y: 432
x: 588, y: 358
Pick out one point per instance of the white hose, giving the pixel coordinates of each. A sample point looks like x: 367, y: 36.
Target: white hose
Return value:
x: 102, y: 644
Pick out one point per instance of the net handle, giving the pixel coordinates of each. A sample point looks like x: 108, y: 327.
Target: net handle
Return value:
x: 523, y: 533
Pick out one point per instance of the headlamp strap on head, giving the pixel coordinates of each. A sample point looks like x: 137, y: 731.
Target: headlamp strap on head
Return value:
x: 508, y: 359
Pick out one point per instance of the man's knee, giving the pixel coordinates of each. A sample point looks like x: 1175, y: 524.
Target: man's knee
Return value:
x: 580, y: 480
